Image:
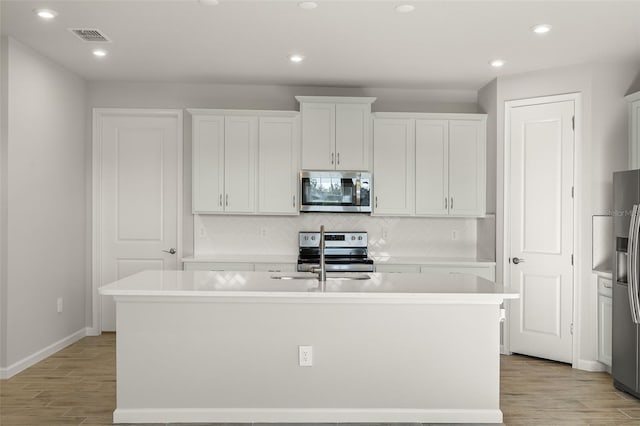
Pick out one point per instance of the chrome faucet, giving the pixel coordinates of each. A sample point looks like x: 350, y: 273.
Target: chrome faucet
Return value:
x: 321, y: 270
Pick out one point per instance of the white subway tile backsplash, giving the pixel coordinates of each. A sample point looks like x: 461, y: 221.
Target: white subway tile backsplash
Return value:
x: 388, y: 236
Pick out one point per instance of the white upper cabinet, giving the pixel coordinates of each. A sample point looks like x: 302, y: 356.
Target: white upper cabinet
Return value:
x: 208, y: 163
x: 467, y: 167
x: 335, y: 132
x: 245, y: 162
x: 240, y: 143
x: 432, y: 167
x: 393, y: 167
x: 446, y: 167
x: 278, y: 165
x: 634, y: 130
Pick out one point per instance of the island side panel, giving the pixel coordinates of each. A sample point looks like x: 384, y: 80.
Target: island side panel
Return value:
x: 230, y: 357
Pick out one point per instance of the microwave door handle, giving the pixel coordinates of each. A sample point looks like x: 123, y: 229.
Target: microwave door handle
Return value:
x: 358, y: 195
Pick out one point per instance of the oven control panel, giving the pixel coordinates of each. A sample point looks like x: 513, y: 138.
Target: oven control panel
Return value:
x: 334, y: 239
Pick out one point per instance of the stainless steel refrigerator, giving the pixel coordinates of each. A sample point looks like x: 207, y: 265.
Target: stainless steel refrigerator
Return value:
x: 626, y: 281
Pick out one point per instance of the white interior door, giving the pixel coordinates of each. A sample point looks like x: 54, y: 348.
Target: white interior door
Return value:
x: 541, y: 229
x: 140, y: 179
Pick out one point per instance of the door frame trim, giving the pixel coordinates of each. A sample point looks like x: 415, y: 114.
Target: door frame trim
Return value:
x: 96, y: 241
x: 577, y: 184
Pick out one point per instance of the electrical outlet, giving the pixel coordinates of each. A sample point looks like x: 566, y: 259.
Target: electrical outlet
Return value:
x: 454, y: 235
x: 385, y: 233
x: 59, y: 304
x: 305, y: 356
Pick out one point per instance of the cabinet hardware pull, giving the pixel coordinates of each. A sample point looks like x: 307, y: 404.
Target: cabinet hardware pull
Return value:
x: 332, y: 154
x: 451, y: 203
x: 376, y: 201
x: 227, y: 200
x: 294, y: 201
x: 338, y: 157
x: 445, y: 202
x: 220, y: 200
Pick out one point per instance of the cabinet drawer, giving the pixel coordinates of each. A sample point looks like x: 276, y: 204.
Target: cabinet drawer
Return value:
x: 487, y: 272
x: 604, y: 286
x: 275, y: 267
x: 218, y: 266
x: 411, y: 269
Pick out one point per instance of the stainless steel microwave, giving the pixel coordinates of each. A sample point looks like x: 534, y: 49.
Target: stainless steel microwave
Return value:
x: 335, y: 191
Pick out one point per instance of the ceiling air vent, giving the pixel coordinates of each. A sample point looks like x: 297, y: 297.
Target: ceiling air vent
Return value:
x: 90, y: 35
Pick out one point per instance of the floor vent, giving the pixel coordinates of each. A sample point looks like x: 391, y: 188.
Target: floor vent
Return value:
x: 90, y: 35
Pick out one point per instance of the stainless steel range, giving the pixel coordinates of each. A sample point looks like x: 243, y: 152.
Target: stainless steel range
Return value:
x: 344, y: 252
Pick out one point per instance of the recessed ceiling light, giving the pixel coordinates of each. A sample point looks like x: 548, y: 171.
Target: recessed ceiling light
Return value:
x: 46, y: 13
x: 497, y: 63
x: 541, y: 29
x: 296, y: 58
x: 100, y: 53
x: 209, y: 2
x: 405, y: 8
x: 307, y: 5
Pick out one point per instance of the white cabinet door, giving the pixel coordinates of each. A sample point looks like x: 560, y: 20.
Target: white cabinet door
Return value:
x: 486, y: 272
x: 208, y: 164
x: 393, y: 166
x: 432, y: 167
x: 241, y: 139
x: 318, y: 136
x: 605, y: 310
x: 218, y: 266
x: 467, y: 168
x: 352, y: 136
x: 278, y: 161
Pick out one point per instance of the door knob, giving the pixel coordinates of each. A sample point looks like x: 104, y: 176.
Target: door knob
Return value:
x: 170, y: 251
x: 516, y: 260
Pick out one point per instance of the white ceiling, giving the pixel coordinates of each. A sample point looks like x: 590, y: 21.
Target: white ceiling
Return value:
x: 442, y: 44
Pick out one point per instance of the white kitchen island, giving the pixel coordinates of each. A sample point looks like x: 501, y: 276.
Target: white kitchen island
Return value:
x: 199, y: 346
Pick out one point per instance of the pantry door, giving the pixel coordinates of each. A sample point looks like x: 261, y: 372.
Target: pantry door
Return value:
x: 540, y: 187
x: 137, y: 180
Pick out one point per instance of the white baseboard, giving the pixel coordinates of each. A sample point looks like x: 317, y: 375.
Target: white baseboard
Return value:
x: 93, y: 331
x: 23, y: 364
x: 293, y: 415
x: 588, y: 365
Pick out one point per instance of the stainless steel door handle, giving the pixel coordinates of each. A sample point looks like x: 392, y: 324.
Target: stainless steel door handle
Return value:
x: 338, y: 158
x: 220, y: 200
x: 227, y: 200
x: 170, y: 251
x: 332, y: 156
x: 517, y: 260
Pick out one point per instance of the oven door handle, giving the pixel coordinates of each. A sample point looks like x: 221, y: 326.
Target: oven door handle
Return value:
x: 358, y: 194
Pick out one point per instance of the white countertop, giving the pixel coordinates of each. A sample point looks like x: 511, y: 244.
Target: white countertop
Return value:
x: 379, y: 259
x: 381, y: 287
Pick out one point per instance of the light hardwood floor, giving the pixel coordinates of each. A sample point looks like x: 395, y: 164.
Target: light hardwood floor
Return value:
x: 77, y: 386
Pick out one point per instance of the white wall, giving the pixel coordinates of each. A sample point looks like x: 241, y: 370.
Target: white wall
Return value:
x: 602, y: 149
x: 3, y: 201
x: 46, y: 203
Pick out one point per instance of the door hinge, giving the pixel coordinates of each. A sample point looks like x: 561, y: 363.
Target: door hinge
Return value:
x: 571, y: 329
x: 573, y: 192
x: 573, y: 122
x: 571, y: 260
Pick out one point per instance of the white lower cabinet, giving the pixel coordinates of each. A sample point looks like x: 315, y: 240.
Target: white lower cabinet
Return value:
x: 407, y: 269
x: 604, y: 320
x: 487, y: 272
x: 218, y: 266
x: 275, y: 267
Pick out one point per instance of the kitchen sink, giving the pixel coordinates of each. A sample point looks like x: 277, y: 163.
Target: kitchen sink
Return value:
x: 329, y: 277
